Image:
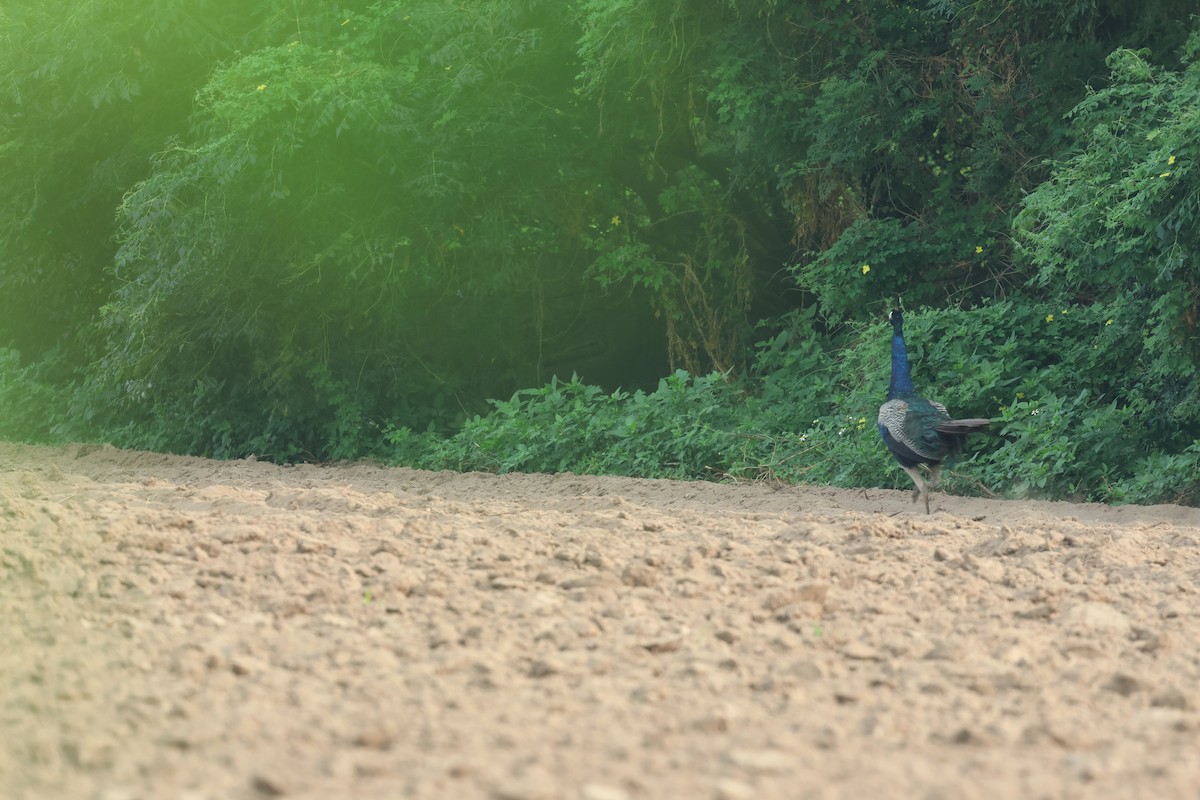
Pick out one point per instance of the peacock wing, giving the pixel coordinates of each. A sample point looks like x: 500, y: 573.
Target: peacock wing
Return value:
x: 920, y: 429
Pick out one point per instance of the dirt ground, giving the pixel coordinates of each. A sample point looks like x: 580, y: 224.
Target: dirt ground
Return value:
x: 180, y: 628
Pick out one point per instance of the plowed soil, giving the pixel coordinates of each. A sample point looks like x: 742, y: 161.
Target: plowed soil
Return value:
x: 181, y: 628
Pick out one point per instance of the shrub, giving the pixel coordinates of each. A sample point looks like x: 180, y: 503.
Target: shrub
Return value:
x: 1087, y: 403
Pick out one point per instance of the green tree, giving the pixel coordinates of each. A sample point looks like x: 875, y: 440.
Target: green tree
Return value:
x: 1119, y: 216
x: 89, y: 91
x: 348, y: 227
x: 1116, y: 226
x: 921, y: 130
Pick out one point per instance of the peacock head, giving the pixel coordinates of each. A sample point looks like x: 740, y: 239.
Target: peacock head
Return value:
x: 897, y: 319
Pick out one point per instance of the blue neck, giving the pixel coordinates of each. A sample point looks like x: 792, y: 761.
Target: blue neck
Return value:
x: 901, y: 381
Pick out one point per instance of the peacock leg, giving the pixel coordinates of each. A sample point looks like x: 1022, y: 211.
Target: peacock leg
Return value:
x: 935, y: 478
x: 935, y: 475
x: 919, y: 487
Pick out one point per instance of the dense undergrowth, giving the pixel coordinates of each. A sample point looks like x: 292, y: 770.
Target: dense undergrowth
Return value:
x: 1083, y: 406
x: 1085, y: 403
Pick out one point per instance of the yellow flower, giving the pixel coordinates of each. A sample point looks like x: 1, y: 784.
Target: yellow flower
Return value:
x: 1109, y: 322
x: 1171, y: 161
x: 978, y: 249
x: 866, y: 268
x: 1049, y: 318
x: 615, y: 221
x: 1165, y: 175
x: 261, y: 87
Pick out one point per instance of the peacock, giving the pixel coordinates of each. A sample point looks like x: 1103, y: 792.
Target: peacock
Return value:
x: 919, y: 431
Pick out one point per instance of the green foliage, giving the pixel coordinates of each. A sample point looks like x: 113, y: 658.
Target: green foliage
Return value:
x: 695, y: 219
x: 872, y: 263
x: 89, y: 91
x: 1162, y: 477
x: 220, y: 419
x: 921, y: 132
x: 1122, y: 213
x: 314, y: 231
x: 1075, y: 411
x: 30, y: 408
x: 683, y: 429
x: 342, y: 203
x: 1077, y: 394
